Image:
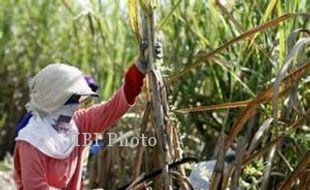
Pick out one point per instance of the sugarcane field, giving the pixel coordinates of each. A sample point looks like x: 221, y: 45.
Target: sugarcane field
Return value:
x: 154, y: 95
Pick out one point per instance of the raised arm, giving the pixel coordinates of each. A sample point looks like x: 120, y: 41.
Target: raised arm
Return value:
x: 99, y: 117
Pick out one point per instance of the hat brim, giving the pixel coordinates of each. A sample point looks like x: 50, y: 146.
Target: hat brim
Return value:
x: 80, y: 87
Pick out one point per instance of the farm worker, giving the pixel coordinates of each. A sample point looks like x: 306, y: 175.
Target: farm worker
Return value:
x: 48, y: 150
x: 94, y: 147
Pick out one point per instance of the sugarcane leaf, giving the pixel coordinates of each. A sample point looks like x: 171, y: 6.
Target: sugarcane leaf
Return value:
x: 265, y: 126
x: 296, y: 49
x: 134, y: 20
x: 204, y: 57
x: 264, y: 97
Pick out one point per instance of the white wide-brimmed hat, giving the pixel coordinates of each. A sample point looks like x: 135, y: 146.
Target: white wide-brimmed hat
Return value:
x: 54, y: 85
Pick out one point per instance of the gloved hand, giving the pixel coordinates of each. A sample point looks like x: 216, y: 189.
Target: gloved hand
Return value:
x: 141, y: 62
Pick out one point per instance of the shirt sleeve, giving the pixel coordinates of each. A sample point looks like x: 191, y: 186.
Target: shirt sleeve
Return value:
x: 99, y: 117
x: 133, y: 83
x: 30, y: 170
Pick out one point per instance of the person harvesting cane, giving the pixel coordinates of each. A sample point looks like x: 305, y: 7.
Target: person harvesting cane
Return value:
x: 47, y: 155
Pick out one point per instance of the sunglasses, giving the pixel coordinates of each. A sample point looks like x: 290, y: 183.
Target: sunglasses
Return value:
x: 74, y: 99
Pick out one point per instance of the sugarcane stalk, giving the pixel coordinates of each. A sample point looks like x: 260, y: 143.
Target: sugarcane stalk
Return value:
x: 157, y: 92
x: 139, y: 155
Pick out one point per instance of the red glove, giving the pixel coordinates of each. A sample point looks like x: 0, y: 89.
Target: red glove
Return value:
x: 133, y: 83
